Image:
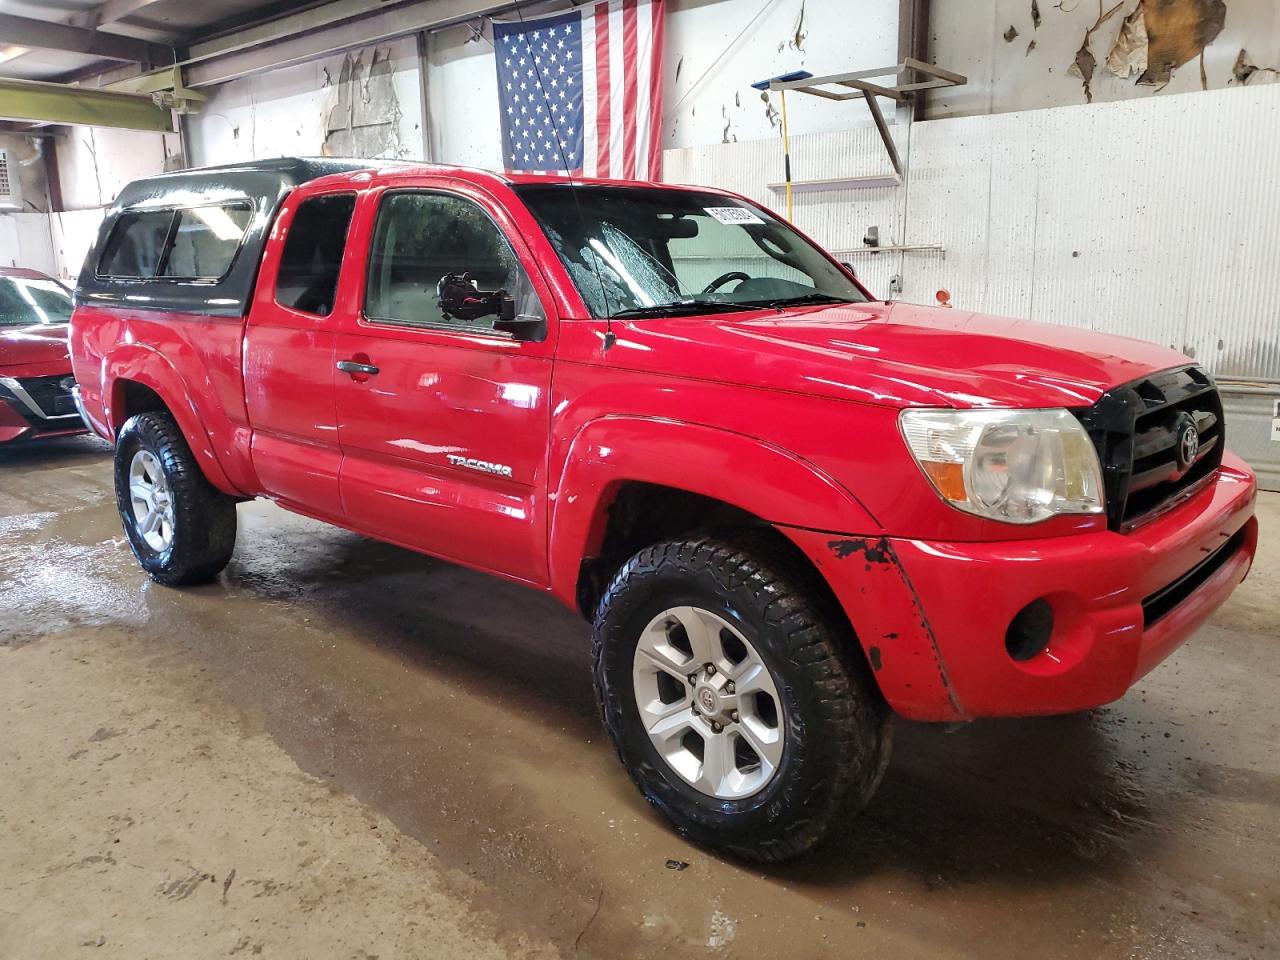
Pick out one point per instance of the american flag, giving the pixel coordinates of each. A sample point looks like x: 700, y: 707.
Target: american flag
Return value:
x: 581, y: 92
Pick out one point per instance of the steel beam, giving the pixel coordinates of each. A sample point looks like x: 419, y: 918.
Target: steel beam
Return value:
x: 46, y: 35
x: 59, y: 103
x: 320, y: 32
x: 886, y: 135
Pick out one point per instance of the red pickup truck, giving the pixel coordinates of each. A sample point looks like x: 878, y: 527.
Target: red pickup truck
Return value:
x: 36, y: 401
x: 789, y: 509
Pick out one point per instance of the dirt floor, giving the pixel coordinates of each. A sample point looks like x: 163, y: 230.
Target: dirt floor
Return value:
x: 346, y: 750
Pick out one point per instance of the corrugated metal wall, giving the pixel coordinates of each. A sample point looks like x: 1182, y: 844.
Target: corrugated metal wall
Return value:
x: 1154, y: 219
x: 836, y: 217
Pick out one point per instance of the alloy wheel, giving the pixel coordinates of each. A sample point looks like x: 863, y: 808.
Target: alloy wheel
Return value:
x: 708, y: 703
x: 151, y: 501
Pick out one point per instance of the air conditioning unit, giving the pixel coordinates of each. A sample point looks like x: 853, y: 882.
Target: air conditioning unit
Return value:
x: 8, y: 194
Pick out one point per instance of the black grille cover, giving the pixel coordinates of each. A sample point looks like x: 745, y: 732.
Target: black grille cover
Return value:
x: 51, y: 394
x: 1158, y: 439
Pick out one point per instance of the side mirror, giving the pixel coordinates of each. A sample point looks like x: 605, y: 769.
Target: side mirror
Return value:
x: 459, y: 297
x: 524, y: 326
x: 849, y: 266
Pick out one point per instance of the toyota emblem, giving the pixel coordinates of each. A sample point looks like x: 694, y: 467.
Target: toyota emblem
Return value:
x: 1188, y: 445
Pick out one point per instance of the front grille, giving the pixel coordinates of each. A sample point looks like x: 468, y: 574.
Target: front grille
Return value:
x: 51, y: 395
x: 1165, y: 600
x: 1141, y: 434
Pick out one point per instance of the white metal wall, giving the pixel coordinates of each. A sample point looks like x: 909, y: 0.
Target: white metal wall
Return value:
x: 25, y: 242
x: 1153, y: 219
x: 836, y: 217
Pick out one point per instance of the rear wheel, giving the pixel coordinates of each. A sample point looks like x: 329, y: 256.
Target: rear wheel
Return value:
x: 736, y: 699
x: 181, y: 528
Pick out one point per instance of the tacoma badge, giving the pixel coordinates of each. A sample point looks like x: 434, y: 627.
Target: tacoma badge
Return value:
x: 484, y: 466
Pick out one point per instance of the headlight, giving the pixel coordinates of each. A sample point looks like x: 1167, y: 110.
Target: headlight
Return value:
x: 1018, y: 466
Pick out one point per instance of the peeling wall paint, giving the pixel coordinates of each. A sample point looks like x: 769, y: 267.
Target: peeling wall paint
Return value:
x: 364, y: 120
x: 1177, y: 32
x: 365, y: 102
x: 1094, y: 50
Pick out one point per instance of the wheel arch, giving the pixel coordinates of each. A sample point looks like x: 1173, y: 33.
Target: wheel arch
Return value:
x: 143, y: 380
x: 629, y: 482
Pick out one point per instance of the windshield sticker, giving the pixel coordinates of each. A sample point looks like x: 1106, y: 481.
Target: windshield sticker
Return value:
x: 732, y: 215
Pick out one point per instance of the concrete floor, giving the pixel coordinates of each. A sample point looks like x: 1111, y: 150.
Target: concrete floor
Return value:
x: 346, y: 750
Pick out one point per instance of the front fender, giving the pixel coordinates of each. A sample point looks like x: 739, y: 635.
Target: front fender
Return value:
x: 750, y: 474
x: 143, y: 364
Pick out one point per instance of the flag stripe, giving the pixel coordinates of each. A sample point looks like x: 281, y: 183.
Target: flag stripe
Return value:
x: 617, y: 86
x: 657, y: 44
x: 630, y: 83
x: 644, y: 68
x: 603, y: 97
x: 590, y: 96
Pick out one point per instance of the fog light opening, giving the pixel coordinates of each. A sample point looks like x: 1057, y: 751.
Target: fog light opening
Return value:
x: 1029, y: 631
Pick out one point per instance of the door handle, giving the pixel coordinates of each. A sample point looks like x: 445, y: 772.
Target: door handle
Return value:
x: 351, y: 366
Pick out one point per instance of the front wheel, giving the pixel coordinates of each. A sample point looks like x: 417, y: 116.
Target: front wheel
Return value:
x: 736, y: 699
x: 181, y: 528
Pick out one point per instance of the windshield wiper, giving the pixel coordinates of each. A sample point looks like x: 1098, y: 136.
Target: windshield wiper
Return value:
x: 682, y: 307
x: 804, y: 298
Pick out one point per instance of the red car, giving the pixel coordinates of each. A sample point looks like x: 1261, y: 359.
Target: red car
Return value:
x: 36, y: 398
x: 789, y: 509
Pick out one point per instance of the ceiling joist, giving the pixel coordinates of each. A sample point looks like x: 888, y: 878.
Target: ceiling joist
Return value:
x: 110, y: 12
x: 45, y: 35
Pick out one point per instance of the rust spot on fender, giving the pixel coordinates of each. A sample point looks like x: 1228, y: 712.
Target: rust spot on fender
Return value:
x: 874, y: 655
x: 874, y: 549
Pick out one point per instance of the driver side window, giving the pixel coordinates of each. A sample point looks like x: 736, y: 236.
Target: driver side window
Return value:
x: 422, y: 237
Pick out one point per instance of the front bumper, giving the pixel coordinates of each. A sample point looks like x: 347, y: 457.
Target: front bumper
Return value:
x: 27, y: 413
x: 933, y: 616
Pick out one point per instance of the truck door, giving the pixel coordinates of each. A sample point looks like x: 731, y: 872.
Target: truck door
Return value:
x: 443, y: 421
x: 288, y: 354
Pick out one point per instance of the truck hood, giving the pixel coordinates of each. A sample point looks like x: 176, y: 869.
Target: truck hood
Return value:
x: 39, y: 344
x: 896, y: 354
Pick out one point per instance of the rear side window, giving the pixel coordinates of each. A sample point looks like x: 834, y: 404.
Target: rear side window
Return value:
x: 194, y: 243
x: 312, y: 257
x: 205, y: 242
x: 136, y: 245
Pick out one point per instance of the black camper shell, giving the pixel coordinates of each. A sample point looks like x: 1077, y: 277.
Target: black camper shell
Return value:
x: 244, y: 195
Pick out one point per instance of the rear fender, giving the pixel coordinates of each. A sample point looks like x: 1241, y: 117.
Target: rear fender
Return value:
x: 747, y: 473
x: 143, y: 364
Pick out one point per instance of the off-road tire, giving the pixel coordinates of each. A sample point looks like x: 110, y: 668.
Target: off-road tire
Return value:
x: 839, y: 731
x: 204, y: 527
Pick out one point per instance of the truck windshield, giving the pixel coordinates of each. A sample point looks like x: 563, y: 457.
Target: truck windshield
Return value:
x: 27, y: 302
x: 643, y: 251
